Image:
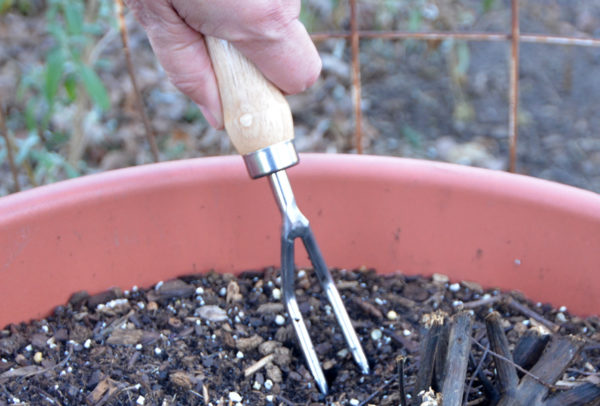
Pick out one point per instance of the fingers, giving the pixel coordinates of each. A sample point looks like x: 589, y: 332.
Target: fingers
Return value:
x: 182, y: 53
x: 267, y: 32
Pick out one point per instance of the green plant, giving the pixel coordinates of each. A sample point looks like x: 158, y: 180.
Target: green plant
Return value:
x: 67, y: 78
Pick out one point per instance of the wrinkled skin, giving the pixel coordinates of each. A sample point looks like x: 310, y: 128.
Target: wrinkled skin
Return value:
x: 267, y: 32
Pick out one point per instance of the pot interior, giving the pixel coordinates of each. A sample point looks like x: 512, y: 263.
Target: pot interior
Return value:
x: 140, y: 225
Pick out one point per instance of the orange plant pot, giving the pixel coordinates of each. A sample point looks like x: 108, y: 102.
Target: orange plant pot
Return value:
x: 140, y: 225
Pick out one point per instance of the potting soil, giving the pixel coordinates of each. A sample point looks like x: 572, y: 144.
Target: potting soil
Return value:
x: 222, y: 340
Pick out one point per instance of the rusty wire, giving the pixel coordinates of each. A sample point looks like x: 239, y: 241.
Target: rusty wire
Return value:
x: 356, y: 82
x: 514, y: 37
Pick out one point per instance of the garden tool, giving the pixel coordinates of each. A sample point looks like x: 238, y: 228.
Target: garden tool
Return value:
x: 259, y: 123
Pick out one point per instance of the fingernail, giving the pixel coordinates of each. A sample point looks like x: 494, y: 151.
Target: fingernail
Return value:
x: 212, y: 120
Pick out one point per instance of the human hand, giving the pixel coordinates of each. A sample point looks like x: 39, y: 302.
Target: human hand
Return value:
x: 267, y: 32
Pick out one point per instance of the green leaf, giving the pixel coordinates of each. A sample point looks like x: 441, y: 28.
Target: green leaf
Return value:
x: 487, y: 5
x: 464, y: 58
x: 30, y: 121
x: 25, y: 147
x: 5, y: 5
x: 73, y: 12
x: 414, y: 20
x: 94, y: 86
x: 71, y: 87
x: 53, y: 74
x: 413, y: 136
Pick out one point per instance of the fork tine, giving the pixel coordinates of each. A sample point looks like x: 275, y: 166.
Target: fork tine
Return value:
x: 289, y: 297
x: 295, y: 225
x: 334, y: 298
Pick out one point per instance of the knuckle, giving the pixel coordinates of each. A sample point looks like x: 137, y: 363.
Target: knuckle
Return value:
x: 190, y: 84
x: 271, y: 18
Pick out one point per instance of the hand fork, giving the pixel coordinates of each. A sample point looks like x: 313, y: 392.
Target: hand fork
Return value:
x: 259, y: 123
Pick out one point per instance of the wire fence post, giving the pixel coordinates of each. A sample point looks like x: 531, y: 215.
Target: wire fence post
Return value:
x: 514, y: 87
x: 356, y: 82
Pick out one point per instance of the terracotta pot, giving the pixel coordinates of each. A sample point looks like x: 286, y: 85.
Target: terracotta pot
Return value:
x: 150, y: 223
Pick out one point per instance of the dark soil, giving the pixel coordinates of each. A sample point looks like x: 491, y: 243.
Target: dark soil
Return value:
x: 189, y: 342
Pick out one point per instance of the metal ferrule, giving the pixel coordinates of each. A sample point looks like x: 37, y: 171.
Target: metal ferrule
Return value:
x: 271, y: 159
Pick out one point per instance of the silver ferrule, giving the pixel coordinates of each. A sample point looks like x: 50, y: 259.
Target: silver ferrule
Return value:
x: 271, y: 159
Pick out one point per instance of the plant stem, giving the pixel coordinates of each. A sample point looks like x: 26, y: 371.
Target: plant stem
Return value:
x: 138, y: 96
x: 9, y: 150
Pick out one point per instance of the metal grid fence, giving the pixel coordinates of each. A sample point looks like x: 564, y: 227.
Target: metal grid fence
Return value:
x: 515, y: 37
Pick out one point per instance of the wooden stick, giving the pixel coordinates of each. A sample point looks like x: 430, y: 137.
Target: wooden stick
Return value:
x: 530, y: 347
x: 507, y: 374
x: 440, y: 360
x: 583, y: 394
x: 458, y: 358
x: 551, y: 365
x: 432, y: 324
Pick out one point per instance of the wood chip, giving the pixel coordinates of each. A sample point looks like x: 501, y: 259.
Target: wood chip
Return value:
x: 258, y: 365
x: 122, y: 336
x: 211, y: 313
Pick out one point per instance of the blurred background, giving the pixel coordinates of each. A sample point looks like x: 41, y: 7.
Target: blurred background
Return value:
x: 69, y: 107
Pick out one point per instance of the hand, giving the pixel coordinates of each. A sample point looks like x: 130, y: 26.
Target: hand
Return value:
x: 267, y: 32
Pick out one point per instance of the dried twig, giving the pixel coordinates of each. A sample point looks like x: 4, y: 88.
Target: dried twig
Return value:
x: 400, y: 361
x: 31, y: 370
x: 531, y: 314
x: 507, y: 374
x: 583, y: 394
x: 432, y: 326
x: 285, y: 400
x: 530, y: 346
x: 459, y: 346
x: 138, y: 96
x: 492, y: 393
x: 482, y: 302
x: 520, y: 369
x: 9, y: 149
x: 258, y: 365
x: 376, y: 392
x: 474, y: 374
x: 406, y: 343
x: 551, y: 365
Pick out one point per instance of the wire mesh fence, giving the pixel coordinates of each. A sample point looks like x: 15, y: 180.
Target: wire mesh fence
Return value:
x: 514, y: 38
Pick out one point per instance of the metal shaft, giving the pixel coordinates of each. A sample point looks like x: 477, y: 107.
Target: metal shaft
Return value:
x: 295, y: 225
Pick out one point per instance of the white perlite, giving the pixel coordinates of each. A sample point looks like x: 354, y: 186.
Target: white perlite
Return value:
x: 376, y: 334
x: 279, y: 320
x: 140, y: 400
x: 235, y: 397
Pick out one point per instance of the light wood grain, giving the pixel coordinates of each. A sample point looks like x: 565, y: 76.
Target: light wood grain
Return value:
x: 256, y: 114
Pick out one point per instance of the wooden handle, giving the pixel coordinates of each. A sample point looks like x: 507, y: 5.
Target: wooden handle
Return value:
x: 255, y: 112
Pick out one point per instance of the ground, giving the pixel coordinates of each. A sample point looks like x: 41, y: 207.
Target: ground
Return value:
x: 443, y: 101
